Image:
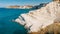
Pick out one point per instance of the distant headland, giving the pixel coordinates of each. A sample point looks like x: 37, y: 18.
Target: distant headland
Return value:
x: 27, y: 6
x: 20, y: 7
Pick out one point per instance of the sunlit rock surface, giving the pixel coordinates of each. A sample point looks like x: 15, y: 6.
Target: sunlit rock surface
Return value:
x: 37, y: 19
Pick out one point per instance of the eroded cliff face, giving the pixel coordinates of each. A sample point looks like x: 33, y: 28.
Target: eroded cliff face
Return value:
x: 37, y: 19
x: 39, y: 6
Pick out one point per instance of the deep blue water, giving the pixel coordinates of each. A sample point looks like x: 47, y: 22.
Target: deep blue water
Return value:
x: 9, y: 27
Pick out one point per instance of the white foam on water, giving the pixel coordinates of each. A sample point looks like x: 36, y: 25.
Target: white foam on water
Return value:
x: 37, y: 19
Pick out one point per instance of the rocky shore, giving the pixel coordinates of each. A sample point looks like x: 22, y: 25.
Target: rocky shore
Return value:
x: 36, y: 20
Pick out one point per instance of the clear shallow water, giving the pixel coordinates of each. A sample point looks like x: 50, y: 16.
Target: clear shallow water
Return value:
x: 9, y: 27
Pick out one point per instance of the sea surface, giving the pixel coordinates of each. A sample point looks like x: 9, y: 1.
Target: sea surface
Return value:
x: 7, y: 26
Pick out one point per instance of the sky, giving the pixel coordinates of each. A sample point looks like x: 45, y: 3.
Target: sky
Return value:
x: 4, y: 3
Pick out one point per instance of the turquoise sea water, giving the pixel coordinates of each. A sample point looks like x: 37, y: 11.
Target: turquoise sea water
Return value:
x: 9, y: 27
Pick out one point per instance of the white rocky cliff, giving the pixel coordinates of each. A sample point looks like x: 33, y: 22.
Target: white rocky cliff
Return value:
x: 37, y: 19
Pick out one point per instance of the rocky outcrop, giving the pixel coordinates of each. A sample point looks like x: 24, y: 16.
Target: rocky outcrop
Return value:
x: 39, y: 6
x: 39, y: 19
x: 51, y: 29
